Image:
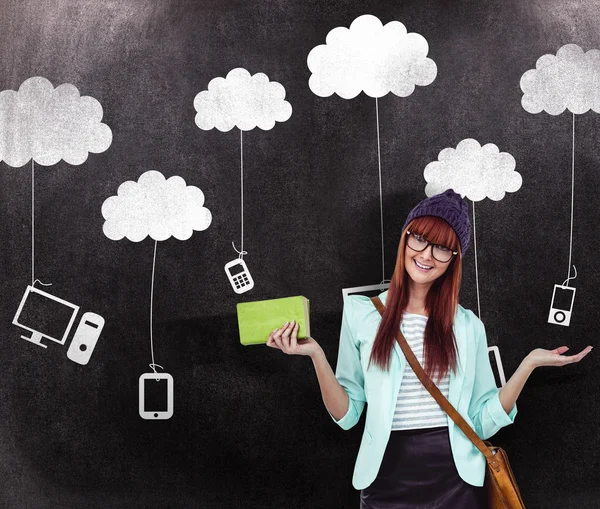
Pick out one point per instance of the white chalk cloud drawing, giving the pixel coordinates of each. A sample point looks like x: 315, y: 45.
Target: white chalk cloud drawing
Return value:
x: 156, y: 207
x: 44, y: 125
x: 372, y: 58
x: 48, y: 124
x: 376, y: 59
x: 244, y: 101
x: 565, y: 81
x: 241, y: 100
x: 475, y: 172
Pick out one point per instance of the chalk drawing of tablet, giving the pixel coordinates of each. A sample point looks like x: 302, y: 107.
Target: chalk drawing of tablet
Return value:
x: 156, y: 396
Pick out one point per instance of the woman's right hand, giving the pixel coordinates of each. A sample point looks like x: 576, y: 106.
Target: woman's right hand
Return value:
x: 286, y: 340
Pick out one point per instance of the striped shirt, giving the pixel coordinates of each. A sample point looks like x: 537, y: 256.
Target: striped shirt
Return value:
x: 415, y: 407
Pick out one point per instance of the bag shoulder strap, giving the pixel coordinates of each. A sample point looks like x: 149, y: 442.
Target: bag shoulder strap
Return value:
x: 434, y: 391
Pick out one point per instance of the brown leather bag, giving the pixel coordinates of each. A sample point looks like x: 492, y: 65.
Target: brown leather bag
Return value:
x: 502, y: 489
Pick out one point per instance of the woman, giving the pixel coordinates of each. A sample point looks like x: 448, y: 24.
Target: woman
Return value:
x: 412, y: 455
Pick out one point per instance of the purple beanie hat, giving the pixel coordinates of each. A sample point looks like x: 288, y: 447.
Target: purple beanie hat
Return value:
x: 451, y: 207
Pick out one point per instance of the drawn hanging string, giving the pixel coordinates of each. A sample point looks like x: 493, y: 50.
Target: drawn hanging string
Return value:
x: 362, y: 46
x: 475, y: 170
x: 242, y: 252
x: 244, y: 101
x: 476, y: 271
x: 158, y: 208
x: 32, y: 223
x: 570, y: 75
x: 153, y: 366
x: 33, y: 280
x: 383, y: 280
x: 566, y: 281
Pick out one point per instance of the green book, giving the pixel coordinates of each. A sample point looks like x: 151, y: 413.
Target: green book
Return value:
x: 258, y: 319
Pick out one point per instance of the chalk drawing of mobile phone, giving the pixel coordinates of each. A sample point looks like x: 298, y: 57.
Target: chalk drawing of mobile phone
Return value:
x: 239, y: 275
x: 156, y: 396
x: 561, y: 306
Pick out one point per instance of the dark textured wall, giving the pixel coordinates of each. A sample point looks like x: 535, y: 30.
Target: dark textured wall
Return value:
x: 249, y: 428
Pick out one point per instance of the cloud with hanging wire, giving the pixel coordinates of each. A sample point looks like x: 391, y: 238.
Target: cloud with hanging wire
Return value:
x: 156, y: 207
x: 48, y: 124
x: 567, y: 80
x: 474, y: 171
x: 241, y: 100
x: 372, y: 58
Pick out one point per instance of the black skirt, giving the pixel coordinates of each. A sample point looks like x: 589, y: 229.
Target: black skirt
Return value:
x: 418, y: 472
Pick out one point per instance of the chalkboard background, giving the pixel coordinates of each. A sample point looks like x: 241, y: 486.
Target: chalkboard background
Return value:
x: 250, y: 428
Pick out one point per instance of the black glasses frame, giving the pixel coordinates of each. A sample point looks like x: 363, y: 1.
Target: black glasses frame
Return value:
x: 454, y: 253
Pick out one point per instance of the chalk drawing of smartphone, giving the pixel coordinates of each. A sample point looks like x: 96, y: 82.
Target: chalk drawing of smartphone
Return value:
x: 239, y: 275
x: 156, y: 396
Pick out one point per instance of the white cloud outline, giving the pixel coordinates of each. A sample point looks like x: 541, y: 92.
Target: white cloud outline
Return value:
x: 474, y: 171
x: 156, y: 207
x: 567, y: 80
x: 48, y: 124
x: 372, y: 58
x: 243, y: 101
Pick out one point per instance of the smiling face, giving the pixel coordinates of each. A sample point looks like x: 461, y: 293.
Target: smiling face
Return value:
x: 419, y: 262
x: 425, y: 258
x: 420, y: 280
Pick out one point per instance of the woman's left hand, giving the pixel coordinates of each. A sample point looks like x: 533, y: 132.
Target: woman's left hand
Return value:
x: 540, y: 357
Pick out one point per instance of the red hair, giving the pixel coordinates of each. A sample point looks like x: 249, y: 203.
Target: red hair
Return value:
x: 441, y: 303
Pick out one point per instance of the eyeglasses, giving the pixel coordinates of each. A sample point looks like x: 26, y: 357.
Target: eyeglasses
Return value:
x: 419, y: 243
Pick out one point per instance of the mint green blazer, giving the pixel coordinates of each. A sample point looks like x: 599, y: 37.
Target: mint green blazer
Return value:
x: 472, y: 390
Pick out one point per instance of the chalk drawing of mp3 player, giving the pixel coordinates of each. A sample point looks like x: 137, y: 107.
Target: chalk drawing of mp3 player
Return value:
x: 562, y: 305
x: 156, y: 396
x: 48, y: 317
x: 239, y: 276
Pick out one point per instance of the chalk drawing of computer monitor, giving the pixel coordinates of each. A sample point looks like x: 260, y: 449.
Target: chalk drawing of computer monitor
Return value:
x: 45, y: 316
x: 368, y: 290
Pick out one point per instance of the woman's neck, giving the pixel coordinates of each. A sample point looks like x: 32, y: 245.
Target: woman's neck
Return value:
x: 417, y: 309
